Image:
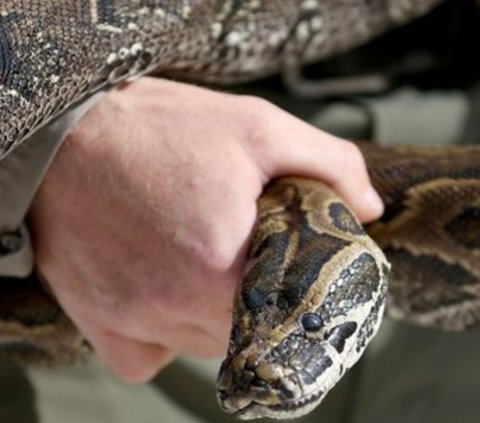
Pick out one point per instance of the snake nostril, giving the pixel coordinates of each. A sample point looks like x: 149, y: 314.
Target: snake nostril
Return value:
x: 222, y: 394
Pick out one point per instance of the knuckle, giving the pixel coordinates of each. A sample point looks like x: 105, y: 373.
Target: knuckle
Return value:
x: 258, y: 111
x: 259, y: 121
x: 255, y: 105
x: 216, y: 258
x: 136, y: 373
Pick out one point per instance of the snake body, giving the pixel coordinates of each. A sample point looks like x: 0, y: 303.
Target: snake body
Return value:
x: 57, y: 52
x: 316, y: 283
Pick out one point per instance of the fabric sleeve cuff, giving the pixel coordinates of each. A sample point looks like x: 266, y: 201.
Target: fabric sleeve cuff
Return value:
x: 21, y: 173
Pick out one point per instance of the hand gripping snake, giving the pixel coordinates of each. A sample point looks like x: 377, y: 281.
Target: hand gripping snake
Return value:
x: 315, y: 285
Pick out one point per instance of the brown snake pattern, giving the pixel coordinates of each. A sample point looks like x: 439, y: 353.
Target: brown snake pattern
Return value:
x: 315, y: 288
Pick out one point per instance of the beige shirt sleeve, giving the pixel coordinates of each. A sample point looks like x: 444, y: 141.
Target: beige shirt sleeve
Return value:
x: 21, y: 173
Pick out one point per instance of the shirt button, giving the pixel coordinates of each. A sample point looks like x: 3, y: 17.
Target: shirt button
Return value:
x: 10, y: 242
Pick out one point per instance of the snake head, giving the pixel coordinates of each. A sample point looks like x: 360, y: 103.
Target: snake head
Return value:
x: 286, y: 371
x: 312, y: 299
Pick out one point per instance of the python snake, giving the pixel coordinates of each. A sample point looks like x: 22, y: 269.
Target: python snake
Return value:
x: 316, y: 284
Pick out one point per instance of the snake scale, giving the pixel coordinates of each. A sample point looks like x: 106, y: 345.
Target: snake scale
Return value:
x: 316, y: 284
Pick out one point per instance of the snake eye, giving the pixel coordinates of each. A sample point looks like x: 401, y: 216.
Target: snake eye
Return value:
x: 312, y: 322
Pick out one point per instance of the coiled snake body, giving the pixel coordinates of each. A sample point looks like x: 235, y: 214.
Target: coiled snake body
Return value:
x: 316, y: 283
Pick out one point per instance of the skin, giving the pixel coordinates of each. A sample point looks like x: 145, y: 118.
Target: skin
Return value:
x: 142, y: 224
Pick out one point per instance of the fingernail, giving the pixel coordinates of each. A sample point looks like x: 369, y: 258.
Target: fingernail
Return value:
x: 375, y: 202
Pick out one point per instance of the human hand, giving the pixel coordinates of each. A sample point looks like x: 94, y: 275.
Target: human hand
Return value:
x: 142, y: 224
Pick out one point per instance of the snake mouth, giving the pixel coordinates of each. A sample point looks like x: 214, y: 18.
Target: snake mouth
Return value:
x: 293, y: 408
x: 279, y: 399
